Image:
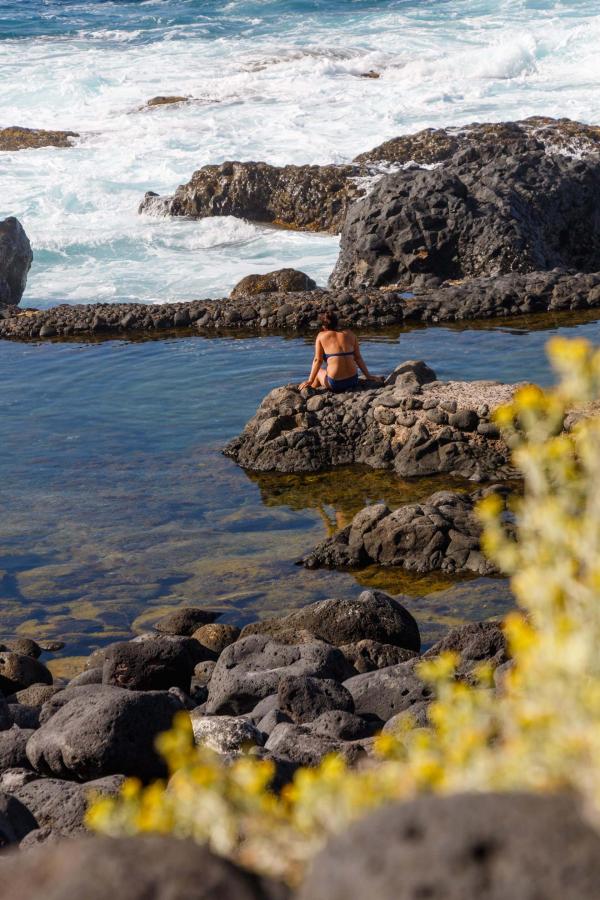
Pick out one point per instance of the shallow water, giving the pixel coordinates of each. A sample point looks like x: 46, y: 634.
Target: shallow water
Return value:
x: 117, y: 504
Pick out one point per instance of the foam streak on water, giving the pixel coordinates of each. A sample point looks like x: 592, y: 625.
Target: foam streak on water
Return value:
x: 277, y: 80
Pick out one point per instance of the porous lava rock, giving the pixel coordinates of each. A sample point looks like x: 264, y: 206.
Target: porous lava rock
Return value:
x: 107, y: 731
x: 131, y: 868
x: 226, y: 735
x: 482, y: 212
x: 18, y: 672
x: 441, y: 532
x: 309, y: 198
x: 152, y: 665
x: 302, y: 698
x: 386, y: 692
x: 373, y: 615
x: 184, y: 621
x: 281, y: 281
x: 405, y: 425
x: 475, y: 846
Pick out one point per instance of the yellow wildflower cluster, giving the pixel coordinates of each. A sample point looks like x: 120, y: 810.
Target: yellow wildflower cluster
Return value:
x: 538, y: 729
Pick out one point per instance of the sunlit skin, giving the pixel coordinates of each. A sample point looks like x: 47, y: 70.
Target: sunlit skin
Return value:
x: 337, y: 367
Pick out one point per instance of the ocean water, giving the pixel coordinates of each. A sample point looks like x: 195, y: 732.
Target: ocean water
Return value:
x: 115, y: 500
x: 276, y: 80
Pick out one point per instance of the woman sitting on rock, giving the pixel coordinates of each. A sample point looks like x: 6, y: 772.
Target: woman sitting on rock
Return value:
x: 337, y: 358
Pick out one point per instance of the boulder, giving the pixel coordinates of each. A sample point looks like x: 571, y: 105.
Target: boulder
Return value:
x: 5, y: 716
x: 441, y: 532
x: 15, y: 261
x: 165, y: 100
x: 300, y: 745
x: 386, y: 692
x: 35, y: 694
x: 310, y: 198
x: 280, y: 281
x: 216, y: 636
x: 15, y: 821
x: 226, y: 735
x: 106, y: 732
x: 17, y: 138
x: 59, y: 807
x: 185, y: 621
x: 368, y: 655
x: 401, y: 426
x: 462, y: 847
x: 12, y: 748
x: 480, y: 213
x: 18, y: 672
x: 339, y: 725
x: 251, y: 669
x: 152, y: 665
x: 475, y: 642
x: 131, y: 868
x: 372, y: 615
x: 303, y: 698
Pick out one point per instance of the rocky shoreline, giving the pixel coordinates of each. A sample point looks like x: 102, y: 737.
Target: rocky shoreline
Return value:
x: 297, y: 311
x: 324, y: 678
x: 414, y: 425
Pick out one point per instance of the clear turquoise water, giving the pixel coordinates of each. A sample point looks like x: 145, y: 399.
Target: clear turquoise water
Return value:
x: 117, y: 503
x: 115, y: 500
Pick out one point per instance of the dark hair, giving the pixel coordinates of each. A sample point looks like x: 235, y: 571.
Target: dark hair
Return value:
x: 329, y: 319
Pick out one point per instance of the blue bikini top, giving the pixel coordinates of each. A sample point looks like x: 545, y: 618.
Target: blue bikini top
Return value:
x: 346, y: 353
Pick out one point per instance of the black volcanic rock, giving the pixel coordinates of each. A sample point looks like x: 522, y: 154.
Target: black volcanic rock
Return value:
x: 15, y: 261
x: 482, y: 212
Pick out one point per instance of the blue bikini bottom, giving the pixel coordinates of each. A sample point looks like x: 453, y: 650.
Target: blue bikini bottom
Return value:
x: 338, y: 385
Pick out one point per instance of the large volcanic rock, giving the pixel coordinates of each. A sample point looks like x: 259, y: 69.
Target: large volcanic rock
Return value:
x: 15, y: 261
x: 483, y: 212
x: 434, y: 145
x: 282, y: 281
x: 463, y: 847
x: 311, y: 198
x: 442, y: 532
x: 414, y: 425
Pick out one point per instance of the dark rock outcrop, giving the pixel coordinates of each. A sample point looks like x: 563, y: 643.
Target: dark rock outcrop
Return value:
x: 309, y: 198
x: 107, y: 731
x: 15, y: 261
x: 373, y: 615
x: 17, y: 138
x: 479, y: 846
x: 281, y: 281
x: 367, y: 655
x: 216, y: 636
x: 13, y: 742
x: 302, y: 746
x: 302, y: 698
x: 478, y: 298
x: 184, y: 621
x: 412, y: 425
x: 436, y: 145
x: 161, y: 868
x: 18, y: 672
x: 481, y: 213
x: 386, y: 692
x: 442, y: 532
x: 165, y: 100
x: 152, y: 665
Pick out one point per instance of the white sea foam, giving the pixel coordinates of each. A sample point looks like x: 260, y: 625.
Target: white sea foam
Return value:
x: 292, y: 96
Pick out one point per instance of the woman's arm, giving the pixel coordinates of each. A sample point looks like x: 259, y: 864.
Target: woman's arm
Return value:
x: 315, y: 366
x: 362, y: 364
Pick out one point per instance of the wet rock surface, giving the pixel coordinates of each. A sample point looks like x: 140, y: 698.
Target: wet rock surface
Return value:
x: 17, y: 138
x: 414, y: 425
x: 488, y: 211
x: 309, y: 198
x: 435, y: 145
x: 484, y: 846
x: 15, y: 261
x: 442, y: 532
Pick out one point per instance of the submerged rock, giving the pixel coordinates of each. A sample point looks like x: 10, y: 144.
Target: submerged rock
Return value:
x: 164, y: 100
x: 404, y: 425
x: 310, y: 198
x: 442, y: 532
x: 279, y: 281
x: 483, y: 212
x: 17, y: 138
x: 462, y: 847
x: 15, y: 261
